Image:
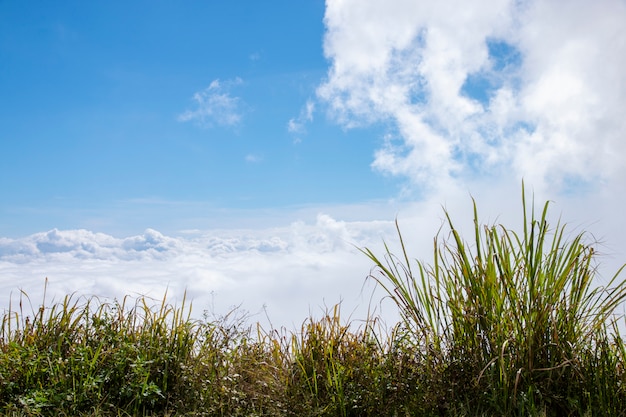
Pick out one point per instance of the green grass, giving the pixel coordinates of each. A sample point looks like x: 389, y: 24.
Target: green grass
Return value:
x: 509, y: 324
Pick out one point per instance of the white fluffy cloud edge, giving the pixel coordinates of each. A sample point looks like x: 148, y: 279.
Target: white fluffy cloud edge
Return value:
x: 531, y: 89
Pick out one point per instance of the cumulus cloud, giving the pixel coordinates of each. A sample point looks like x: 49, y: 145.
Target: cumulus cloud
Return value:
x: 474, y: 88
x: 84, y: 244
x: 215, y: 105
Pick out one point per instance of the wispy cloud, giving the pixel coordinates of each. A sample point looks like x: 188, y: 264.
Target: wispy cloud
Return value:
x: 252, y: 157
x: 215, y: 105
x: 483, y: 88
x: 297, y: 125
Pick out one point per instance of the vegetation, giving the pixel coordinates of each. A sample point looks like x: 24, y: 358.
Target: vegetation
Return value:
x: 513, y: 324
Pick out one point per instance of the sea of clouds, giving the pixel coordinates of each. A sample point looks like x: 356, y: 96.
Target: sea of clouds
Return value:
x: 283, y: 274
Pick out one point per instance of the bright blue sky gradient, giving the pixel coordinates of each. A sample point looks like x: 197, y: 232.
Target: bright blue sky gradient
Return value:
x: 91, y: 94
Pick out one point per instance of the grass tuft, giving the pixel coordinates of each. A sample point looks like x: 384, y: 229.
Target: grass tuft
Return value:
x: 513, y: 323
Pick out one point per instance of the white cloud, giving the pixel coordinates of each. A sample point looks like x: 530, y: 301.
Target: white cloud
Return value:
x: 215, y: 105
x: 293, y: 126
x: 297, y: 125
x: 292, y: 270
x: 551, y: 113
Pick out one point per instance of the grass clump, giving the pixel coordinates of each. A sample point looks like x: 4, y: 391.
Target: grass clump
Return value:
x: 87, y: 357
x: 79, y: 355
x: 511, y: 324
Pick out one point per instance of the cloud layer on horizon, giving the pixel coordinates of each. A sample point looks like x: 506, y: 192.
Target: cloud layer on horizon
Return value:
x: 290, y: 270
x: 293, y: 270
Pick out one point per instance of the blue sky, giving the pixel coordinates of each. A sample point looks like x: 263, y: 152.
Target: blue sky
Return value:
x: 242, y: 150
x: 93, y: 95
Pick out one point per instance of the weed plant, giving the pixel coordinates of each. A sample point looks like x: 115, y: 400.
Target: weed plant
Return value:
x: 511, y: 324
